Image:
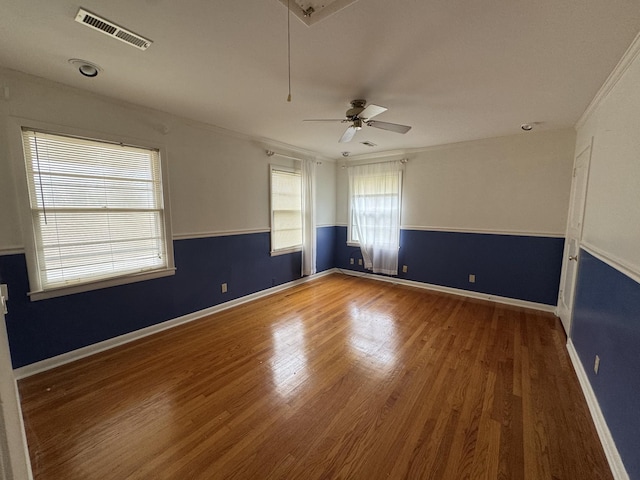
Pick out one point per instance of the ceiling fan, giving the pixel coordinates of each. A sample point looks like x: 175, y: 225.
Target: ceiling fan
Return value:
x: 361, y: 114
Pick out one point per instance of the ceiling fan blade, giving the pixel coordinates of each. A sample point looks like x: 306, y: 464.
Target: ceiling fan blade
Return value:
x: 371, y: 111
x: 348, y: 134
x: 392, y: 127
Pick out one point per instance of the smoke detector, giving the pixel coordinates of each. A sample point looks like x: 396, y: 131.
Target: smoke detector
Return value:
x: 107, y: 27
x: 312, y: 11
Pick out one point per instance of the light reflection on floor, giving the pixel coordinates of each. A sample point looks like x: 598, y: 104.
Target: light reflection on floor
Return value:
x: 373, y: 338
x: 289, y: 360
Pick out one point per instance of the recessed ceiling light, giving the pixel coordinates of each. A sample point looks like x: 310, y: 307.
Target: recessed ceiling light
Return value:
x: 86, y: 68
x: 526, y: 127
x: 346, y: 154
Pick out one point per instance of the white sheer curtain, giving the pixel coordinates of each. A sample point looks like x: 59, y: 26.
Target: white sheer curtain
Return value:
x: 375, y: 195
x: 308, y: 217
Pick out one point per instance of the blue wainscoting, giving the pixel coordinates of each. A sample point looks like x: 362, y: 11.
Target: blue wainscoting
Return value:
x: 606, y: 322
x: 46, y: 328
x: 526, y: 268
x: 519, y: 267
x: 325, y: 251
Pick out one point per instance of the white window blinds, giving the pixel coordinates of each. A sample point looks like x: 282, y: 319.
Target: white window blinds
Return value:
x: 286, y: 209
x: 97, y: 209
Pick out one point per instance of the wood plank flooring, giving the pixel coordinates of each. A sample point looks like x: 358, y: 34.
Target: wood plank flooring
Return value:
x: 339, y: 378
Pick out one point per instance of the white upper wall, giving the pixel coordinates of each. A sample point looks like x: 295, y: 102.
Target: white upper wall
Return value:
x: 612, y: 212
x: 326, y: 194
x: 10, y: 234
x: 516, y: 184
x: 219, y: 182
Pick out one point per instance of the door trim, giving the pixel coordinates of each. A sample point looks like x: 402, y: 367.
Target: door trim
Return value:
x: 14, y: 462
x: 566, y: 318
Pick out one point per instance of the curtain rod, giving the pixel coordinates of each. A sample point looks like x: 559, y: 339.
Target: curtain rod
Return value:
x: 402, y: 160
x: 271, y: 153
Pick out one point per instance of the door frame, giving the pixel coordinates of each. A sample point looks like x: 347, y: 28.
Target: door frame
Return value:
x: 14, y: 462
x: 566, y: 315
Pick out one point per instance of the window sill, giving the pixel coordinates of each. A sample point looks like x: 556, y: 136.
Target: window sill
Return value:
x: 98, y: 284
x: 284, y: 251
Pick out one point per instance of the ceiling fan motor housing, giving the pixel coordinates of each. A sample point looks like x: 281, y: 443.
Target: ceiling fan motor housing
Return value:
x: 357, y: 106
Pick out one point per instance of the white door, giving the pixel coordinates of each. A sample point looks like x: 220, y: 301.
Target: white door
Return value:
x: 14, y: 457
x: 573, y: 237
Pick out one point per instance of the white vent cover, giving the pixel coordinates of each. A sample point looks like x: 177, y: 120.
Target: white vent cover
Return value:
x: 109, y: 28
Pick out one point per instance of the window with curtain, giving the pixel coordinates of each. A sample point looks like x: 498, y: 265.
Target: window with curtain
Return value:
x: 97, y: 212
x: 286, y: 210
x: 375, y: 193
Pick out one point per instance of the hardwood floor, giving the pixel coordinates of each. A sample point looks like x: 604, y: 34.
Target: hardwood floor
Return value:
x: 338, y: 378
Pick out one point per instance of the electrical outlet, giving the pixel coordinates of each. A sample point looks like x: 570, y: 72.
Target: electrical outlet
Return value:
x: 596, y: 364
x: 472, y: 278
x: 351, y: 261
x: 224, y: 288
x: 359, y: 261
x: 405, y: 269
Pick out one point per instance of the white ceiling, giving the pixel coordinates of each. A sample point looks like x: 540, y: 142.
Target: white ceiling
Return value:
x: 454, y: 70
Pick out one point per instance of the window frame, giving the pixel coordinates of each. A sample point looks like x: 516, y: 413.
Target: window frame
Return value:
x: 297, y: 171
x: 27, y: 225
x: 355, y: 243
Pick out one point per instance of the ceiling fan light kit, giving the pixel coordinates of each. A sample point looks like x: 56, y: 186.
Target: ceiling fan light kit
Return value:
x: 361, y: 114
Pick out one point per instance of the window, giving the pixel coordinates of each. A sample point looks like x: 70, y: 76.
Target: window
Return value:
x: 97, y: 212
x: 374, y: 211
x: 375, y: 198
x: 286, y: 210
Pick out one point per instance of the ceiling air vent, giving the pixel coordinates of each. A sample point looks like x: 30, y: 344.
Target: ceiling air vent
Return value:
x: 369, y: 144
x: 109, y: 28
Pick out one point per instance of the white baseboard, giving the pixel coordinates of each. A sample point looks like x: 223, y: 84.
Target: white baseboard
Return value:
x: 72, y: 356
x: 455, y: 291
x: 608, y: 444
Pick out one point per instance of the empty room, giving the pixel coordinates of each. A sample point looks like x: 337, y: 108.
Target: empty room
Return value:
x: 350, y: 239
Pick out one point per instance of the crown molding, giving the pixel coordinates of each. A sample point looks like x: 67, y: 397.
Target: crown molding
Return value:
x: 612, y: 80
